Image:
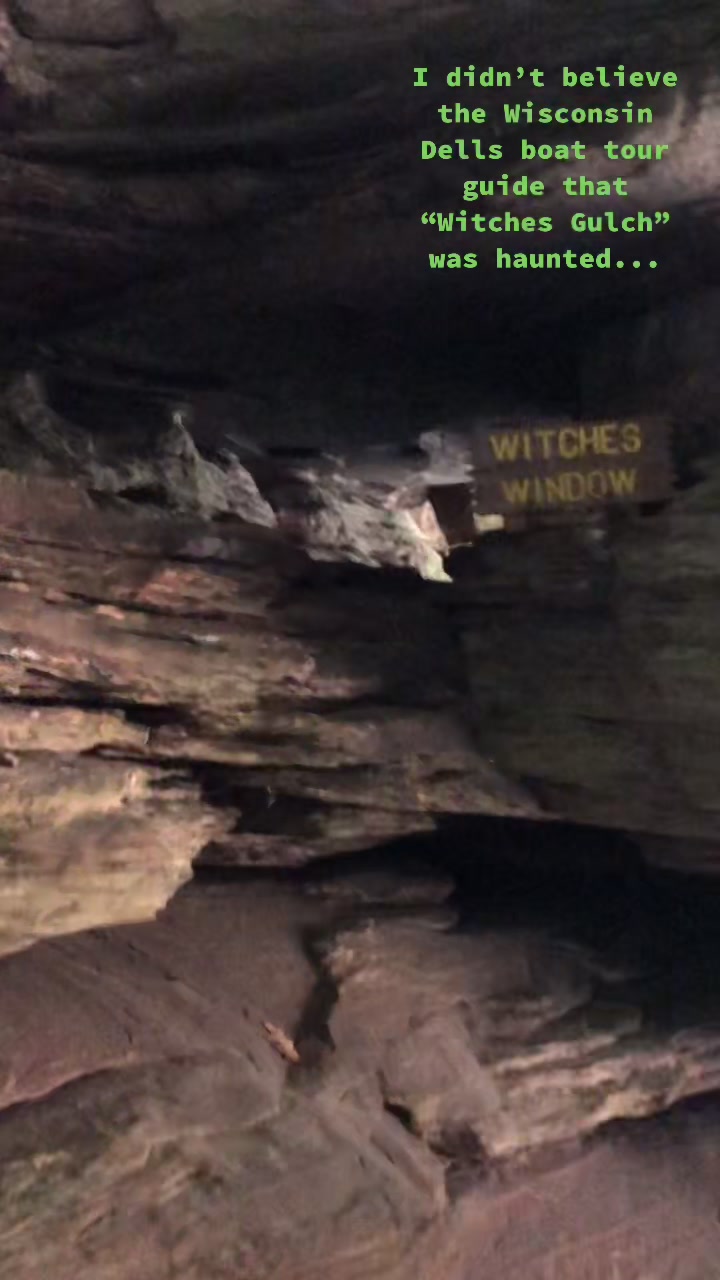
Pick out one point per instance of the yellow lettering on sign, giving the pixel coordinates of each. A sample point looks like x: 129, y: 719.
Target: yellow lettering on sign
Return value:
x: 631, y: 438
x: 505, y: 447
x: 568, y: 443
x: 569, y: 487
x: 574, y: 486
x: 516, y: 491
x: 622, y: 482
x: 608, y: 439
x: 545, y: 436
x: 555, y: 489
x: 588, y: 440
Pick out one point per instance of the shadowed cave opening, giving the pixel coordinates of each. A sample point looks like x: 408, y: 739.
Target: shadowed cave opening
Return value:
x: 591, y: 888
x: 647, y: 938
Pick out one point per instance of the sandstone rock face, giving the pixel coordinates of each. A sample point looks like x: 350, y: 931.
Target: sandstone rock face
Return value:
x: 90, y: 842
x: 248, y: 625
x: 637, y: 1203
x: 178, y: 671
x: 430, y: 1127
x: 158, y: 1076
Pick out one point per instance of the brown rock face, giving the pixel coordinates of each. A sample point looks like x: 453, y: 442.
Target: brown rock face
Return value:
x: 636, y: 1203
x: 430, y: 1126
x: 169, y: 657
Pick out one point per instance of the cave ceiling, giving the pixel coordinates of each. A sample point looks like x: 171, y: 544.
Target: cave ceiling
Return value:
x: 230, y: 193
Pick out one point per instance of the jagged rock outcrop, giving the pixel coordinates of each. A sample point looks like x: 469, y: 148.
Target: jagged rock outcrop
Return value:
x: 174, y: 657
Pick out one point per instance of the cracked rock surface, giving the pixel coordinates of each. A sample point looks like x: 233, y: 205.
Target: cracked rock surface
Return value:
x: 449, y: 1075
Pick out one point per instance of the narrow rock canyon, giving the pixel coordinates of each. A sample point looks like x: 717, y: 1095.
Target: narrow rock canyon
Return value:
x: 359, y: 838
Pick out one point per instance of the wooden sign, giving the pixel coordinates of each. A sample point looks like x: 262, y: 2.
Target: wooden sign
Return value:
x: 541, y: 466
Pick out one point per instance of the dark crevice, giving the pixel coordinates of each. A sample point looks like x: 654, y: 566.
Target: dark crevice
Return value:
x: 584, y: 887
x: 465, y: 1159
x: 402, y: 1114
x: 312, y: 1035
x: 147, y: 494
x: 152, y: 717
x: 86, y: 698
x: 131, y: 607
